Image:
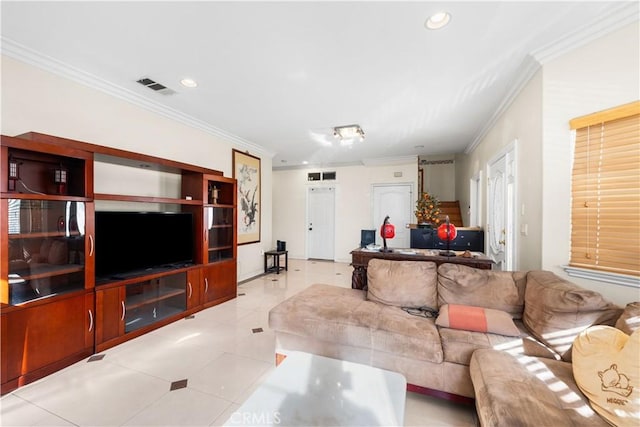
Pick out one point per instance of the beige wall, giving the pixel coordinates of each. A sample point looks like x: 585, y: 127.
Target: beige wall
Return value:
x: 439, y: 178
x: 600, y: 75
x: 522, y: 122
x: 37, y: 100
x: 353, y: 204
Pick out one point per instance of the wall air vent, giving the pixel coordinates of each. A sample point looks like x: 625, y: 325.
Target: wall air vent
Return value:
x: 313, y: 176
x: 331, y: 176
x: 155, y: 86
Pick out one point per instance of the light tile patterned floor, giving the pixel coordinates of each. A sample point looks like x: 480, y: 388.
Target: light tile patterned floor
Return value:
x: 218, y: 353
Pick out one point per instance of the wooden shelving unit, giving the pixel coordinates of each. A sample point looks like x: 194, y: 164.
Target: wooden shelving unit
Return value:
x: 62, y: 315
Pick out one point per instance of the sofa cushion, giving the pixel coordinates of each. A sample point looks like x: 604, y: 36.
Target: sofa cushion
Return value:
x: 402, y: 283
x: 527, y: 391
x: 415, y: 337
x: 556, y: 310
x: 629, y: 320
x: 477, y: 319
x: 328, y: 313
x: 458, y: 345
x: 500, y: 290
x: 606, y: 367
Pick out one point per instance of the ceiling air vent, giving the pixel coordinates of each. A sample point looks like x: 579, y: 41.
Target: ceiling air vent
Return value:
x: 328, y: 176
x: 155, y: 86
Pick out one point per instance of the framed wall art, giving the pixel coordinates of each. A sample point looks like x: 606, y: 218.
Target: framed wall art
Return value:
x: 246, y: 171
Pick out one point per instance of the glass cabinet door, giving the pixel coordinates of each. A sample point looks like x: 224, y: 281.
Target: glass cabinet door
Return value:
x: 219, y: 223
x: 150, y: 301
x: 46, y: 248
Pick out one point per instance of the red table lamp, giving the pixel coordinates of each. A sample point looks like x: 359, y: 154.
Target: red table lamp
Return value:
x: 447, y: 232
x: 387, y: 231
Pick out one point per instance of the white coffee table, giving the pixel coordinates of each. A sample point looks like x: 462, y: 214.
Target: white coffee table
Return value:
x: 310, y: 390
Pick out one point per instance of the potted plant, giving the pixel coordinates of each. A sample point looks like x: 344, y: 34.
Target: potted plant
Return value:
x: 427, y: 210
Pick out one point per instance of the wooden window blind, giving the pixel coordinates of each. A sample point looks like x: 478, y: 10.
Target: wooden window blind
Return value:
x: 605, y: 209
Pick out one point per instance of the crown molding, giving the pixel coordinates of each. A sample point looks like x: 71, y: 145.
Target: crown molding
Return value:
x: 317, y: 167
x: 380, y: 161
x: 27, y: 55
x: 389, y: 161
x: 619, y: 16
x: 525, y: 72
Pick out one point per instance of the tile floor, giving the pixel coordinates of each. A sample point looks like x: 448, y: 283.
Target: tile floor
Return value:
x: 217, y: 352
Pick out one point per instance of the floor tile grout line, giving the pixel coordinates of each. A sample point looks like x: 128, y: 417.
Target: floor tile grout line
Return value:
x: 39, y: 407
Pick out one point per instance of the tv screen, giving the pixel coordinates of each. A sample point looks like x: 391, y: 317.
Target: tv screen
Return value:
x: 130, y: 243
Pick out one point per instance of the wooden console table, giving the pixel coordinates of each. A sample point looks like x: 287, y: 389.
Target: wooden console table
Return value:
x: 360, y: 259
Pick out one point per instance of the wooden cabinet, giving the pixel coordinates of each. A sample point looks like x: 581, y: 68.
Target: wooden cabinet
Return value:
x: 53, y: 311
x: 219, y: 281
x: 110, y: 312
x: 139, y: 305
x: 468, y: 239
x: 194, y: 289
x: 360, y: 260
x: 218, y: 249
x: 39, y: 339
x: 46, y: 258
x: 46, y: 227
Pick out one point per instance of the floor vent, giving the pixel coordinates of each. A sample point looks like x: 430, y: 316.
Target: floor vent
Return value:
x: 155, y: 86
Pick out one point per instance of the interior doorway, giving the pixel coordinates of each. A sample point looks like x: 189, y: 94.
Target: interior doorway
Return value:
x: 475, y: 200
x: 321, y: 223
x: 501, y: 205
x: 396, y: 201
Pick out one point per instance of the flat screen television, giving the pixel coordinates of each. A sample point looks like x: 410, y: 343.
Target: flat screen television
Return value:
x: 131, y: 243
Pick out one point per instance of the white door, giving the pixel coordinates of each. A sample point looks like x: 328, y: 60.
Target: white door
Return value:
x: 321, y: 222
x: 396, y: 201
x: 501, y: 202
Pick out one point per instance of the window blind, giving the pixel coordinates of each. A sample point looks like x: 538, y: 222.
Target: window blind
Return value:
x: 605, y: 211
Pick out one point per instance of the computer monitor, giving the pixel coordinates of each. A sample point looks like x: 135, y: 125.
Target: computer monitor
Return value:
x: 367, y: 237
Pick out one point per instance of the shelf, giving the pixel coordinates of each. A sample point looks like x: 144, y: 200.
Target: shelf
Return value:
x: 44, y: 234
x: 42, y: 271
x: 142, y: 320
x: 147, y: 199
x: 33, y: 196
x: 216, y: 205
x: 143, y: 299
x: 220, y: 248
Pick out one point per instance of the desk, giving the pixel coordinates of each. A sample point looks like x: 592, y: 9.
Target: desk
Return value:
x: 276, y: 261
x: 360, y: 259
x: 310, y: 390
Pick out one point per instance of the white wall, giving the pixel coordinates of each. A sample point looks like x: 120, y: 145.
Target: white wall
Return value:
x: 599, y: 75
x: 37, y: 100
x: 521, y: 122
x: 440, y: 177
x: 353, y: 204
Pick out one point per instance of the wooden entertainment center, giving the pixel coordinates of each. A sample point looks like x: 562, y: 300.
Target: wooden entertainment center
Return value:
x: 54, y: 311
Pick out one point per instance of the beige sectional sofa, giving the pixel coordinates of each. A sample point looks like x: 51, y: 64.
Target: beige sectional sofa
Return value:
x: 376, y: 327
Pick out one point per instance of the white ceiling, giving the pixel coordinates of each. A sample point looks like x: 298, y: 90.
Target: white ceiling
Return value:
x: 277, y: 76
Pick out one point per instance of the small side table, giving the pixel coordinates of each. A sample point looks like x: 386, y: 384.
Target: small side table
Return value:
x: 276, y: 261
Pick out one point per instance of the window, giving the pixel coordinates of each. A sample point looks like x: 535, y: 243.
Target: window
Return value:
x: 605, y: 206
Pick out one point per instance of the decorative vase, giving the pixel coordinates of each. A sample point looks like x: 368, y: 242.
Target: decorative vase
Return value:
x: 425, y: 225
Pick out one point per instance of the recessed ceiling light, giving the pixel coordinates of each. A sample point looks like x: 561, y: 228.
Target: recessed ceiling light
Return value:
x: 438, y: 20
x: 304, y: 162
x: 188, y: 82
